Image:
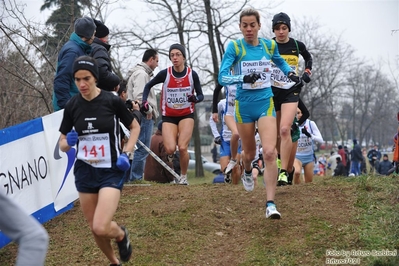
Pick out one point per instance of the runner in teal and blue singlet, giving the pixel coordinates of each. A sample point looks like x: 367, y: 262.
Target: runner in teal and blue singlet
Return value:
x: 250, y: 59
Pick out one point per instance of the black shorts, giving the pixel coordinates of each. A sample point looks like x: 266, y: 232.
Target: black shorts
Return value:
x: 176, y: 119
x: 89, y: 179
x: 285, y: 96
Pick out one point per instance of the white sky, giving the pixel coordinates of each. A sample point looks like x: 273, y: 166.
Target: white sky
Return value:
x: 366, y: 25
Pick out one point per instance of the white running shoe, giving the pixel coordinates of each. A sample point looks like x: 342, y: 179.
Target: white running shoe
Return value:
x: 175, y: 180
x: 248, y: 181
x: 230, y: 167
x: 182, y: 181
x: 170, y: 158
x: 272, y: 213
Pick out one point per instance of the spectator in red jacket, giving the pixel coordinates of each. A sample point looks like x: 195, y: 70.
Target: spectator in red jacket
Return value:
x: 341, y: 152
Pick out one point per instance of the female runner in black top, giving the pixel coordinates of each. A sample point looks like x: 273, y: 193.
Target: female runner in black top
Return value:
x: 91, y: 120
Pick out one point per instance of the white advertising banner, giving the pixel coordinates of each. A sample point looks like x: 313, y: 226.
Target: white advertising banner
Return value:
x: 61, y: 164
x: 34, y: 172
x: 24, y: 167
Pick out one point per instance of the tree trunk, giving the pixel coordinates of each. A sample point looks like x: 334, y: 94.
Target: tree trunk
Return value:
x: 199, y: 168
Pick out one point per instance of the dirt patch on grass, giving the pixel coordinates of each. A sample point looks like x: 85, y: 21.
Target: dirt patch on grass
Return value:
x: 214, y: 225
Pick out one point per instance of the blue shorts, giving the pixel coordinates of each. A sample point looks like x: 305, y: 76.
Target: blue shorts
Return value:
x: 305, y: 159
x: 89, y: 179
x: 225, y: 148
x: 248, y: 112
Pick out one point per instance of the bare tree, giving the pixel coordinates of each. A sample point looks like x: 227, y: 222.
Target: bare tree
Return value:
x: 25, y: 65
x: 373, y: 99
x: 203, y: 27
x: 347, y: 97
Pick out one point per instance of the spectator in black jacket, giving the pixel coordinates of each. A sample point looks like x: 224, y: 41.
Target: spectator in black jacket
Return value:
x: 100, y: 51
x: 356, y: 158
x: 384, y: 166
x: 374, y: 157
x: 340, y: 170
x: 348, y: 160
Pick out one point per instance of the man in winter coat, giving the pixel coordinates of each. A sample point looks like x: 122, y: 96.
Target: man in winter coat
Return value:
x: 384, y: 166
x: 348, y: 160
x: 139, y: 76
x: 100, y: 51
x: 340, y: 168
x: 78, y: 45
x: 356, y: 158
x: 374, y: 157
x: 342, y: 153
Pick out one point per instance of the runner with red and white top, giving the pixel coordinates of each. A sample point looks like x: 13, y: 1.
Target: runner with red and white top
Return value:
x: 177, y: 105
x: 175, y: 93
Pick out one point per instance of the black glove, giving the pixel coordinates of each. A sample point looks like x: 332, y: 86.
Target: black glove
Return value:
x: 304, y: 131
x: 306, y: 77
x: 251, y: 78
x: 293, y: 77
x: 218, y: 140
x: 192, y: 98
x: 294, y: 127
x: 129, y: 104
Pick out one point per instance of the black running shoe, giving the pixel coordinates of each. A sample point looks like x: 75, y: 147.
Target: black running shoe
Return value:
x: 291, y: 176
x: 125, y: 249
x: 227, y: 179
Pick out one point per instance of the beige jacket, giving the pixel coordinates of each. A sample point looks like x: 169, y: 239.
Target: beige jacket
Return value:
x: 139, y: 76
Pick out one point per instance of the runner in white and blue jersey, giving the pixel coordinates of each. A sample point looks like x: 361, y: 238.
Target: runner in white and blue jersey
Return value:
x: 223, y: 138
x: 230, y: 91
x: 250, y: 58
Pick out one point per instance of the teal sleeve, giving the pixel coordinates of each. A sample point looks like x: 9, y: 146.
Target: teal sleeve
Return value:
x: 225, y: 77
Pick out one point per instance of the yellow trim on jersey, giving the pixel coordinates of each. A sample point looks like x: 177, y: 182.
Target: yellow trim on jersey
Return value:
x: 272, y: 48
x: 237, y: 111
x: 244, y: 52
x: 271, y: 107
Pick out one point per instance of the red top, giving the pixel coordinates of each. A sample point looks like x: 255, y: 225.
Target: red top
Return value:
x: 175, y: 92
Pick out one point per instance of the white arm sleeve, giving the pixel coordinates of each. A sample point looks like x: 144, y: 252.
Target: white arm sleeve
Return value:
x: 214, y: 128
x: 315, y: 132
x: 212, y: 124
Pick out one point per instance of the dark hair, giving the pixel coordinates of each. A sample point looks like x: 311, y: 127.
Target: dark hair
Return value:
x: 148, y: 54
x: 122, y: 87
x: 385, y: 155
x: 250, y: 12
